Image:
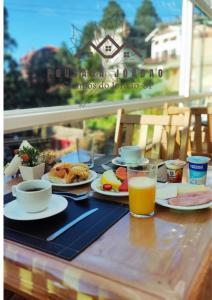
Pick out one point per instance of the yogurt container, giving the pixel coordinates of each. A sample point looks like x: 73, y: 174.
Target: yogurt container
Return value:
x: 198, y: 166
x: 175, y: 170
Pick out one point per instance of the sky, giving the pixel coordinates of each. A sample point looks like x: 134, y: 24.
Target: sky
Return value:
x: 37, y: 23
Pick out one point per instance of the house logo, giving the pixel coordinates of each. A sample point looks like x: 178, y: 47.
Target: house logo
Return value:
x: 108, y: 48
x: 118, y: 60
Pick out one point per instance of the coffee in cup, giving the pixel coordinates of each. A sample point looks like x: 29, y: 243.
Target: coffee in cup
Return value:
x: 33, y: 195
x: 130, y: 154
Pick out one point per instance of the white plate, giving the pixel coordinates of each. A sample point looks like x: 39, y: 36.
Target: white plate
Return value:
x: 91, y: 177
x: 95, y: 185
x: 56, y: 205
x: 118, y: 162
x: 164, y: 202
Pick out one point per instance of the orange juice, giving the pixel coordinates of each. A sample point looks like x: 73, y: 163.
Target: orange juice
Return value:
x: 141, y: 195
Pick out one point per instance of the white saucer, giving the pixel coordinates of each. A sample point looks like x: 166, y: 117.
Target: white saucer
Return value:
x: 56, y: 205
x: 95, y: 185
x: 91, y: 177
x: 119, y: 162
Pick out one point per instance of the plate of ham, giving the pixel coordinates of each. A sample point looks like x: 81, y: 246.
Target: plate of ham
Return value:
x: 184, y: 196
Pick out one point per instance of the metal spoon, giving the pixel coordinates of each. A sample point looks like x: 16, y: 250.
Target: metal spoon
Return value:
x: 79, y: 197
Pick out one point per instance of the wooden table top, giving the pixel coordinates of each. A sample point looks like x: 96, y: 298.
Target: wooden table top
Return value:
x: 164, y: 257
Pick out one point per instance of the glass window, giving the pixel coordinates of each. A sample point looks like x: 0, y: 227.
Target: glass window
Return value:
x: 88, y: 51
x: 54, y: 52
x: 173, y: 52
x: 201, y: 68
x: 165, y: 54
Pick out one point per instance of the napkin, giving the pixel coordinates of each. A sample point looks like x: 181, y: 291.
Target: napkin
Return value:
x: 12, y: 168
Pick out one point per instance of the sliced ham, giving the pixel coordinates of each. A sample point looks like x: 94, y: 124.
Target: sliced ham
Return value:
x: 190, y: 199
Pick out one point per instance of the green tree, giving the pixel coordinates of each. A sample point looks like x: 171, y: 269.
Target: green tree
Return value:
x: 13, y: 84
x: 88, y: 33
x: 113, y: 16
x: 146, y: 20
x: 50, y: 73
x: 9, y: 42
x: 146, y: 17
x: 15, y: 88
x: 88, y: 62
x: 36, y: 90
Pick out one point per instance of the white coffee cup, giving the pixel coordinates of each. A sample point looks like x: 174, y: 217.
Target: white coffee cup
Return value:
x: 130, y: 154
x: 33, y: 195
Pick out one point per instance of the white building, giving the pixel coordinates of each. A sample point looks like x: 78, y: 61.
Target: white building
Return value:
x: 165, y: 42
x: 166, y: 47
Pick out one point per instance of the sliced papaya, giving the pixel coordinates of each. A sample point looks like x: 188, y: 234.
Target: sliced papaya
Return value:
x: 121, y: 173
x: 124, y: 186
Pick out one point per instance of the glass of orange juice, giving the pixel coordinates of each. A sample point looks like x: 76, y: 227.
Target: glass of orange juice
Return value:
x: 142, y: 190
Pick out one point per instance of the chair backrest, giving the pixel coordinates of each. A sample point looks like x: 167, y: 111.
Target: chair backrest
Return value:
x: 183, y: 111
x: 158, y: 122
x: 124, y: 123
x: 202, y: 132
x: 176, y: 110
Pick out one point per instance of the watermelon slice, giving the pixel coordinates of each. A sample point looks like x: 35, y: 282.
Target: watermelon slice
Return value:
x: 121, y: 173
x: 124, y: 186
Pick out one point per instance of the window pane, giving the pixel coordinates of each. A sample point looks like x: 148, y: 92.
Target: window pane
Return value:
x: 77, y: 52
x: 201, y: 75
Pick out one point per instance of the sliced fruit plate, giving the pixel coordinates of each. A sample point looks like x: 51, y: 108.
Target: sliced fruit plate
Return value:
x: 112, y: 183
x: 97, y: 187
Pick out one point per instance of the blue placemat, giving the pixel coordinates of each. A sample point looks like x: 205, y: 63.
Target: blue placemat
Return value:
x: 76, y: 239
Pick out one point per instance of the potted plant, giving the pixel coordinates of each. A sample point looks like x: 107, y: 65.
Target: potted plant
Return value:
x: 49, y: 157
x: 32, y: 167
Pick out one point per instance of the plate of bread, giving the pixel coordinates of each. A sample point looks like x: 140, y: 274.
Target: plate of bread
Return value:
x: 69, y: 174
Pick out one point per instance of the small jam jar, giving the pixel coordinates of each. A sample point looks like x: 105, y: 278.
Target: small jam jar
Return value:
x: 175, y: 170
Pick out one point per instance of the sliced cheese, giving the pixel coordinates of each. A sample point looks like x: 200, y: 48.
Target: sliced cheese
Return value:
x: 166, y: 191
x: 189, y: 188
x: 171, y: 190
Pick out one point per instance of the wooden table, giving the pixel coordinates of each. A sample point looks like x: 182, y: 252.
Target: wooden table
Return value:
x: 164, y: 257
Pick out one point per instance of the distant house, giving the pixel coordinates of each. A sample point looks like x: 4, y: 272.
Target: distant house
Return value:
x: 166, y: 50
x: 165, y: 42
x: 26, y: 59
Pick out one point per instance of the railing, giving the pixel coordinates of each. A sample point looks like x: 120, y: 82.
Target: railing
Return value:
x: 23, y: 119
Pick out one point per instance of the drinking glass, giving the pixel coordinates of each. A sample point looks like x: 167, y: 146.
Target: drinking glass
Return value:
x: 85, y: 151
x: 142, y: 190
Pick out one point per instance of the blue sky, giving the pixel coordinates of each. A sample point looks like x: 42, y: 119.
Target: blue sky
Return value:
x: 48, y: 22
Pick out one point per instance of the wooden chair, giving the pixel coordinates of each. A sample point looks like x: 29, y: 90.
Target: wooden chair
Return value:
x: 126, y: 123
x: 175, y: 110
x: 183, y: 111
x: 202, y: 133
